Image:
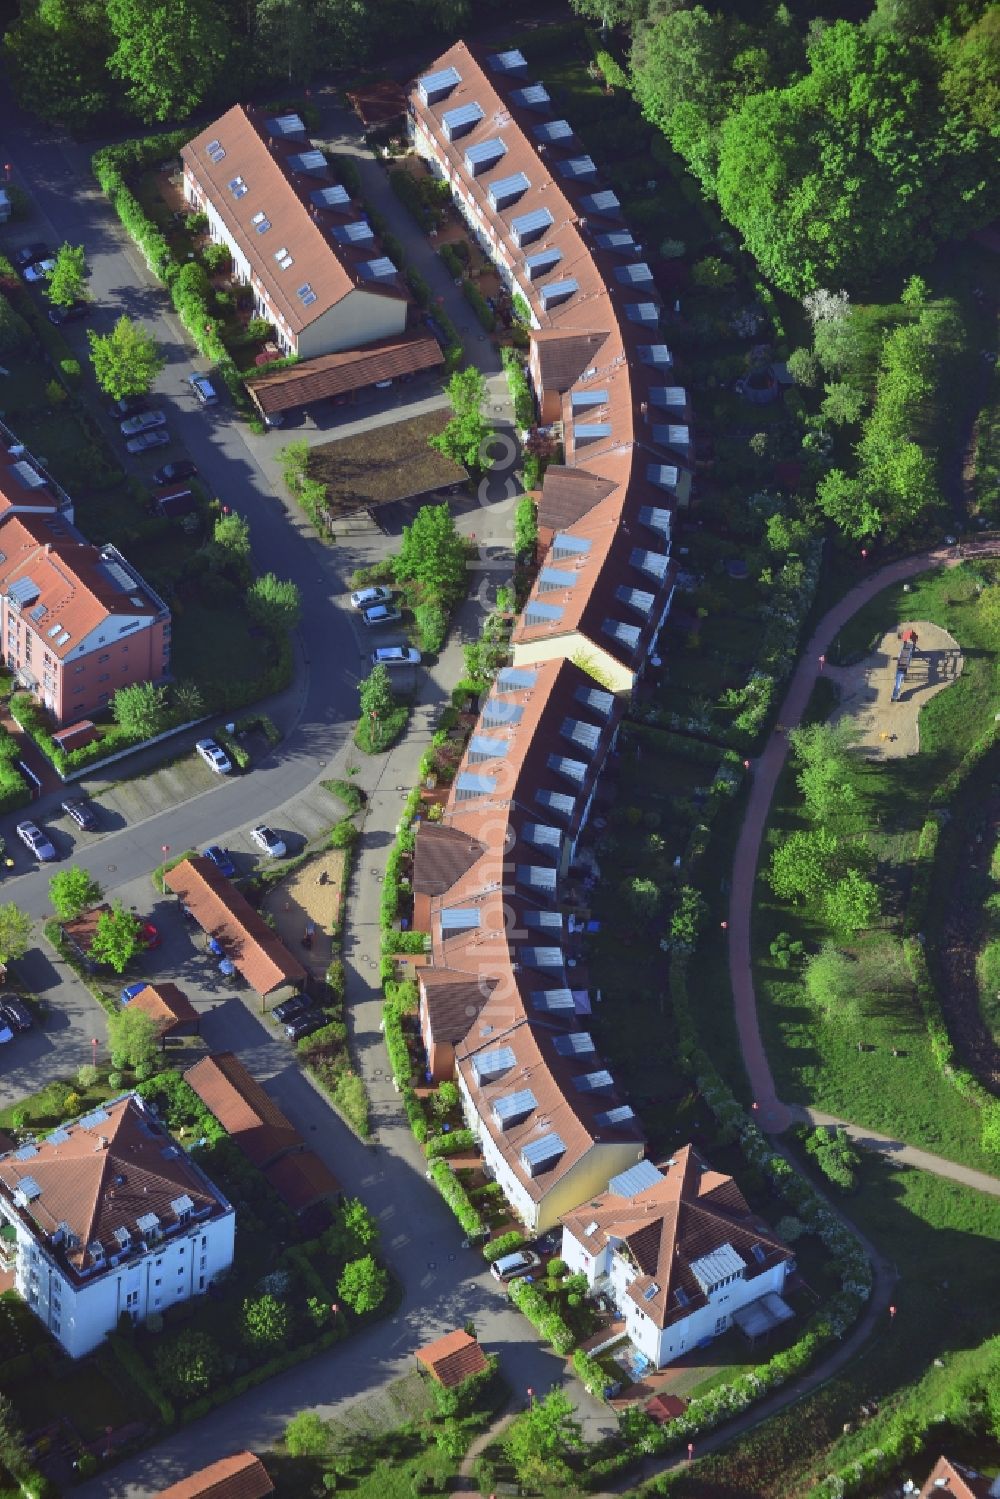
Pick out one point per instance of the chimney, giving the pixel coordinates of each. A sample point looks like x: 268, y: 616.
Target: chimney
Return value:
x: 102, y: 1143
x: 48, y: 546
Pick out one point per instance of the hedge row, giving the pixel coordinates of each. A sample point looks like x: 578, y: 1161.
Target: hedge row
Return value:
x: 505, y: 1244
x: 195, y: 1409
x: 517, y: 385
x: 455, y: 1195
x: 589, y: 1372
x: 534, y: 1305
x: 190, y: 294
x: 667, y: 742
x: 454, y: 1143
x: 946, y: 789
x: 138, y: 1373
x: 943, y: 1051
x: 479, y: 305
x: 923, y: 873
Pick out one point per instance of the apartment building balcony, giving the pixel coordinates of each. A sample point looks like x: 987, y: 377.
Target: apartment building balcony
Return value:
x: 17, y: 449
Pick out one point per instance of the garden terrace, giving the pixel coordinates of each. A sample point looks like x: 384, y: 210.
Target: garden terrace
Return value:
x: 384, y: 464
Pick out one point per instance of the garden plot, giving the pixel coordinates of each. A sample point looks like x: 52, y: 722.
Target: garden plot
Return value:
x: 887, y: 729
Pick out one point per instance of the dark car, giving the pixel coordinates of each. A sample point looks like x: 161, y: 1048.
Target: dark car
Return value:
x: 82, y: 813
x: 28, y: 254
x: 304, y: 1025
x: 128, y: 406
x: 183, y: 468
x: 15, y: 1012
x: 71, y: 314
x: 221, y: 859
x: 291, y: 1009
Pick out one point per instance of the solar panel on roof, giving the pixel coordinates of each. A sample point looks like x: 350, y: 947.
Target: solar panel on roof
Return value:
x: 308, y: 161
x: 435, y: 86
x: 663, y: 475
x: 593, y: 697
x: 635, y: 598
x: 574, y: 770
x: 498, y: 714
x: 577, y: 168
x: 556, y: 801
x: 536, y: 613
x: 330, y: 197
x: 512, y: 61
x: 591, y: 431
x: 626, y: 635
x: 58, y: 1137
x: 537, y: 877
x: 545, y: 1151
x: 357, y: 233
x: 653, y: 563
x: 559, y: 291
x: 529, y: 226
x: 542, y: 921
x: 668, y: 396
x: 651, y: 1290
x: 460, y: 918
x: 26, y: 1152
x: 541, y: 957
x: 460, y: 121
x: 468, y: 785
x: 541, y: 835
x: 575, y: 1044
x: 587, y: 735
x: 541, y: 262
x: 565, y: 545
x: 656, y: 518
x: 553, y: 1001
x: 23, y: 592
x: 282, y: 125
x: 638, y: 274
x: 28, y: 1188
x: 619, y: 240
x: 657, y: 355
x: 635, y: 1179
x: 378, y: 270
x: 551, y: 578
x: 580, y: 399
x: 646, y: 313
x: 552, y: 131
x: 486, y: 747
x: 484, y: 154
x: 508, y: 189
x: 514, y: 1106
x: 534, y: 96
x: 594, y: 1082
x: 604, y: 203
x: 94, y: 1119
x: 513, y: 678
x: 492, y: 1064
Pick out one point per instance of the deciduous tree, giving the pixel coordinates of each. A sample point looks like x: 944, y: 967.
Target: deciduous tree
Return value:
x: 266, y: 1321
x: 432, y: 555
x: 363, y: 1284
x: 117, y: 938
x: 274, y: 603
x: 167, y: 53
x: 15, y: 932
x: 307, y: 1435
x: 126, y: 361
x: 541, y: 1440
x: 67, y: 280
x: 72, y: 891
x: 853, y: 904
x: 132, y: 1037
x: 141, y: 709
x: 465, y: 437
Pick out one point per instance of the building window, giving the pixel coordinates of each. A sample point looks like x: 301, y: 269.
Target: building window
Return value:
x: 104, y: 677
x: 204, y: 1262
x: 55, y: 1324
x: 105, y: 657
x: 132, y: 1300
x: 201, y: 1283
x: 721, y: 1324
x: 77, y: 670
x: 158, y: 1282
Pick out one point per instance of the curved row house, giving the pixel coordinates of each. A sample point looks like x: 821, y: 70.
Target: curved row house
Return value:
x: 504, y: 999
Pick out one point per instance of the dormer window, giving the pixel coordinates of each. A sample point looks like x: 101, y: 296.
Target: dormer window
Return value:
x: 238, y: 187
x: 283, y: 258
x: 215, y: 151
x: 261, y: 222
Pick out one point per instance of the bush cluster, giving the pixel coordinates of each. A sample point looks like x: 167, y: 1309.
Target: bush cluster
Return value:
x: 479, y: 305
x: 534, y: 1305
x: 454, y: 1143
x: 505, y: 1244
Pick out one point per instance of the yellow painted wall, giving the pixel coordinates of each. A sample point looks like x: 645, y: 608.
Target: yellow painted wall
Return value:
x: 357, y: 319
x: 588, y: 1178
x: 590, y: 657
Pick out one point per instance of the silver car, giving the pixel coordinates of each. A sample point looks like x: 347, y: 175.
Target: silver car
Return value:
x: 268, y: 841
x: 366, y: 597
x: 146, y: 441
x: 35, y: 841
x: 145, y: 421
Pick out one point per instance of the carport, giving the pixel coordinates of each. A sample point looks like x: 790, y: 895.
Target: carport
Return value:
x: 343, y: 373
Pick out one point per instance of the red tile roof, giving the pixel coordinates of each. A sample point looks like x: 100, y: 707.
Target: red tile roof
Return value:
x: 276, y: 188
x: 243, y: 1107
x: 223, y: 913
x: 692, y: 1212
x: 23, y: 487
x: 302, y: 1180
x: 242, y: 1476
x: 168, y: 1006
x: 351, y: 369
x: 951, y: 1480
x: 454, y: 1357
x: 101, y: 1173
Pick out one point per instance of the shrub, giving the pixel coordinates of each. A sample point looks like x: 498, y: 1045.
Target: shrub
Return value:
x: 542, y: 1315
x: 217, y: 257
x: 479, y: 305
x: 344, y: 834
x: 505, y: 1244
x: 432, y: 627
x: 456, y: 1197
x: 190, y: 1364
x: 454, y: 1143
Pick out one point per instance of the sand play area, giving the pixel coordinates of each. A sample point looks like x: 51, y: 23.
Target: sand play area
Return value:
x: 310, y: 896
x: 889, y: 730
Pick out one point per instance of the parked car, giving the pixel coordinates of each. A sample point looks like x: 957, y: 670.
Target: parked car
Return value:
x: 35, y: 841
x: 381, y: 614
x: 268, y: 841
x: 510, y: 1266
x: 304, y: 1025
x: 151, y: 938
x: 15, y: 1012
x: 71, y: 314
x: 203, y: 389
x: 220, y: 859
x: 39, y: 270
x: 30, y: 254
x: 181, y: 468
x: 128, y: 406
x: 290, y: 1009
x: 214, y: 756
x: 82, y: 813
x: 131, y: 990
x: 143, y: 421
x: 6, y: 1034
x: 148, y: 440
x: 365, y: 597
x: 396, y: 655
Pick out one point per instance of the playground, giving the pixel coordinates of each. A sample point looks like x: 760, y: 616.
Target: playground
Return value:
x: 883, y: 694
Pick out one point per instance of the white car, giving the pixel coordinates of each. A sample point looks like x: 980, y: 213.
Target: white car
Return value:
x: 510, y: 1266
x: 40, y: 271
x: 365, y: 597
x: 396, y: 655
x: 203, y: 389
x: 145, y: 421
x: 35, y: 841
x: 146, y: 441
x: 268, y: 841
x: 214, y: 756
x: 381, y: 614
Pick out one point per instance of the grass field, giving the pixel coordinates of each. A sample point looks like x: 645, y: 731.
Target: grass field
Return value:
x: 212, y: 646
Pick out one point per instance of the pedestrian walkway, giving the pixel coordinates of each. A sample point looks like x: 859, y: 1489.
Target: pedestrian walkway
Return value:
x: 771, y: 1113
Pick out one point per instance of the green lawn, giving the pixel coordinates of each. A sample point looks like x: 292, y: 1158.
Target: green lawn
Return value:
x: 214, y: 647
x: 45, y: 1109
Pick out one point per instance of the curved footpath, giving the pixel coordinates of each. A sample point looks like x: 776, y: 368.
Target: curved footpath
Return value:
x: 772, y: 1115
